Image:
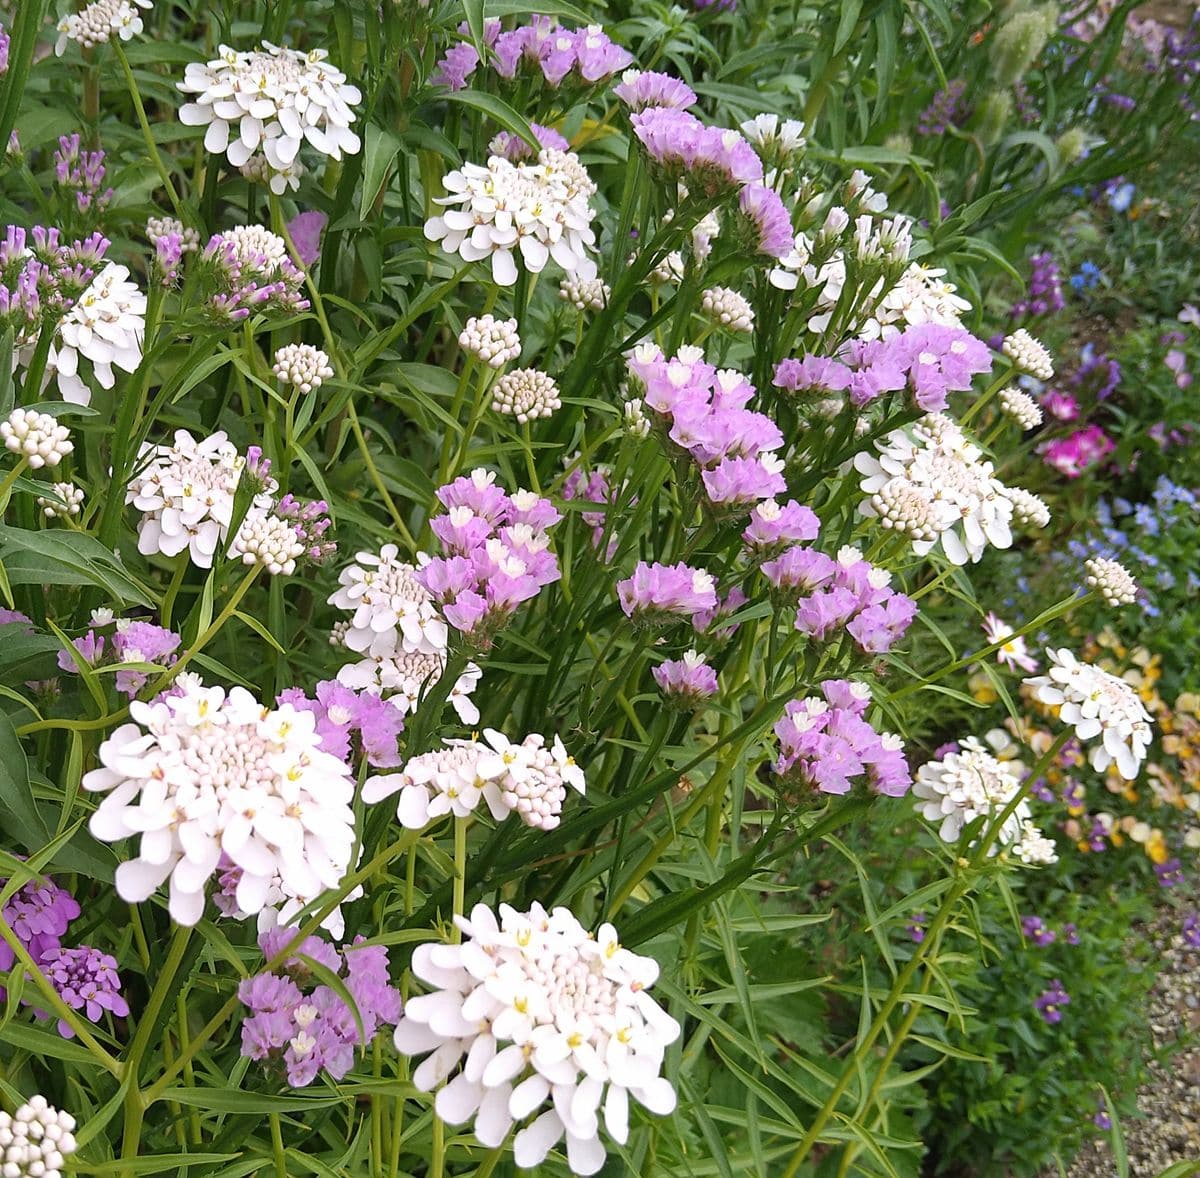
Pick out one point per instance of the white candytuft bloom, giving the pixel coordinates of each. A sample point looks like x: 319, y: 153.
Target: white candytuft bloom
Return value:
x: 389, y: 608
x: 158, y: 227
x: 1034, y: 848
x: 302, y: 366
x: 205, y: 773
x: 527, y: 779
x: 98, y: 23
x: 921, y: 296
x: 36, y: 1140
x: 1021, y: 407
x: 267, y: 539
x: 185, y: 494
x: 585, y: 294
x: 532, y: 1014
x: 105, y: 326
x: 494, y: 341
x: 526, y: 394
x: 1028, y: 354
x: 1111, y: 580
x: 727, y: 308
x: 69, y: 501
x: 966, y: 506
x: 269, y: 101
x: 1097, y: 704
x: 539, y: 209
x: 1028, y: 509
x: 403, y: 676
x: 966, y: 785
x: 36, y: 437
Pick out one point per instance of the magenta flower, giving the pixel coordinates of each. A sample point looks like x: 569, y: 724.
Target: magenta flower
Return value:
x: 305, y: 230
x: 772, y: 527
x: 686, y: 682
x: 650, y: 88
x: 657, y: 594
x: 767, y: 220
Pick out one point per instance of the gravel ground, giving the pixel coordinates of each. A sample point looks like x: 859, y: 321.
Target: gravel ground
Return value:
x: 1168, y: 1127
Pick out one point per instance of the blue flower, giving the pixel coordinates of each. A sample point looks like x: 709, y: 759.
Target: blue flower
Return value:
x: 1121, y: 198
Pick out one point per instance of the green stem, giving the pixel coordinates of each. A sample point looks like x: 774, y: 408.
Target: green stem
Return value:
x: 988, y: 394
x: 9, y: 479
x: 277, y: 1147
x: 147, y: 134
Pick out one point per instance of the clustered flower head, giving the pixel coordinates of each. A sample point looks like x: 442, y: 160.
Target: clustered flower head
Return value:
x: 766, y: 223
x: 585, y: 294
x: 123, y: 641
x: 774, y: 527
x: 1050, y: 1002
x: 1021, y: 407
x: 1097, y: 703
x: 540, y: 210
x: 498, y: 554
x: 528, y: 779
x: 268, y: 101
x: 185, y: 493
x: 1111, y: 580
x: 659, y: 594
x: 727, y: 308
x: 933, y: 483
x: 640, y: 89
x: 1028, y: 354
x: 36, y: 437
x: 343, y: 713
x: 303, y: 1026
x: 826, y: 744
x: 98, y: 22
x: 81, y: 173
x: 1045, y: 289
x: 702, y: 412
x: 206, y: 772
x: 302, y: 366
x: 268, y: 540
x: 526, y: 394
x: 686, y: 682
x: 946, y: 109
x: 1077, y: 453
x: 67, y: 501
x: 494, y: 341
x: 710, y: 160
x: 532, y: 1014
x: 36, y: 1140
x: 247, y: 270
x: 514, y: 148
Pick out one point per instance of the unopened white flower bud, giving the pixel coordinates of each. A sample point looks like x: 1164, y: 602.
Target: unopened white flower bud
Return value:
x: 494, y: 341
x: 727, y: 308
x: 1021, y: 407
x: 270, y: 541
x: 37, y: 437
x: 302, y: 366
x: 526, y: 394
x: 68, y: 503
x: 1029, y: 354
x: 1111, y: 580
x: 584, y: 294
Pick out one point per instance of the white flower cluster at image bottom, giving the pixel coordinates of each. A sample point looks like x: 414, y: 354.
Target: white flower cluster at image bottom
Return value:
x: 1097, y: 704
x: 528, y: 779
x: 36, y: 1140
x: 972, y: 783
x: 532, y: 1010
x: 207, y: 773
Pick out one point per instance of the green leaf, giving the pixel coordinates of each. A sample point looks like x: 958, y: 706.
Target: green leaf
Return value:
x: 68, y: 558
x: 380, y: 150
x: 17, y: 806
x: 157, y: 1164
x: 498, y: 111
x: 228, y: 1100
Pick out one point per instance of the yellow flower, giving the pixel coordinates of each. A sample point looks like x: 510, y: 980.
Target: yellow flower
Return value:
x: 1156, y: 848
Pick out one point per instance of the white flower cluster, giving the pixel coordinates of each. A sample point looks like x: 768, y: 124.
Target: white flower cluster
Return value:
x: 539, y: 209
x: 526, y: 394
x: 269, y: 101
x: 36, y: 1140
x: 921, y: 296
x: 268, y: 540
x: 1097, y: 704
x: 1021, y: 407
x: 1028, y: 354
x: 538, y: 1011
x: 36, y: 437
x: 98, y: 22
x: 105, y: 326
x: 585, y: 294
x: 302, y: 366
x: 397, y: 633
x: 69, y: 501
x: 727, y: 308
x: 185, y: 494
x: 765, y: 131
x: 931, y: 482
x: 528, y: 779
x: 970, y: 784
x: 157, y: 227
x: 494, y: 341
x: 1028, y: 509
x: 1111, y: 580
x: 205, y: 773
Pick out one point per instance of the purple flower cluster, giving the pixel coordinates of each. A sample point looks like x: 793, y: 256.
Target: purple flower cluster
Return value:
x: 848, y: 592
x: 130, y: 642
x: 946, y: 109
x: 168, y: 257
x: 650, y: 88
x: 686, y: 682
x: 1170, y: 873
x: 711, y: 160
x: 591, y: 487
x: 827, y: 744
x: 305, y: 1027
x: 1045, y: 295
x: 1037, y: 931
x: 497, y: 553
x: 773, y: 528
x: 1190, y: 930
x: 343, y: 713
x: 1097, y: 375
x: 767, y: 223
x: 916, y: 927
x: 1049, y: 1003
x: 39, y: 914
x: 41, y: 276
x: 3, y: 51
x: 513, y: 147
x: 240, y: 284
x: 1024, y: 103
x: 81, y: 173
x: 658, y: 594
x: 310, y: 521
x: 703, y: 412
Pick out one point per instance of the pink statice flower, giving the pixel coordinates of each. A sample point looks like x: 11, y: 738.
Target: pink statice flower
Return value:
x: 641, y: 89
x: 812, y: 374
x: 774, y: 527
x: 709, y: 160
x: 1076, y: 454
x: 1060, y: 405
x: 658, y: 594
x: 686, y: 682
x: 768, y: 225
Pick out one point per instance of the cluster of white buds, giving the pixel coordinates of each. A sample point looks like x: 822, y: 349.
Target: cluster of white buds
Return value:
x: 635, y: 422
x: 98, y: 22
x: 727, y: 308
x: 1028, y: 354
x: 36, y: 437
x: 905, y: 510
x: 68, y: 502
x: 494, y: 341
x: 266, y: 539
x: 36, y: 1140
x: 302, y: 366
x: 1111, y: 580
x: 1021, y: 407
x: 526, y: 394
x: 1028, y: 510
x: 258, y: 171
x: 585, y: 294
x: 157, y: 227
